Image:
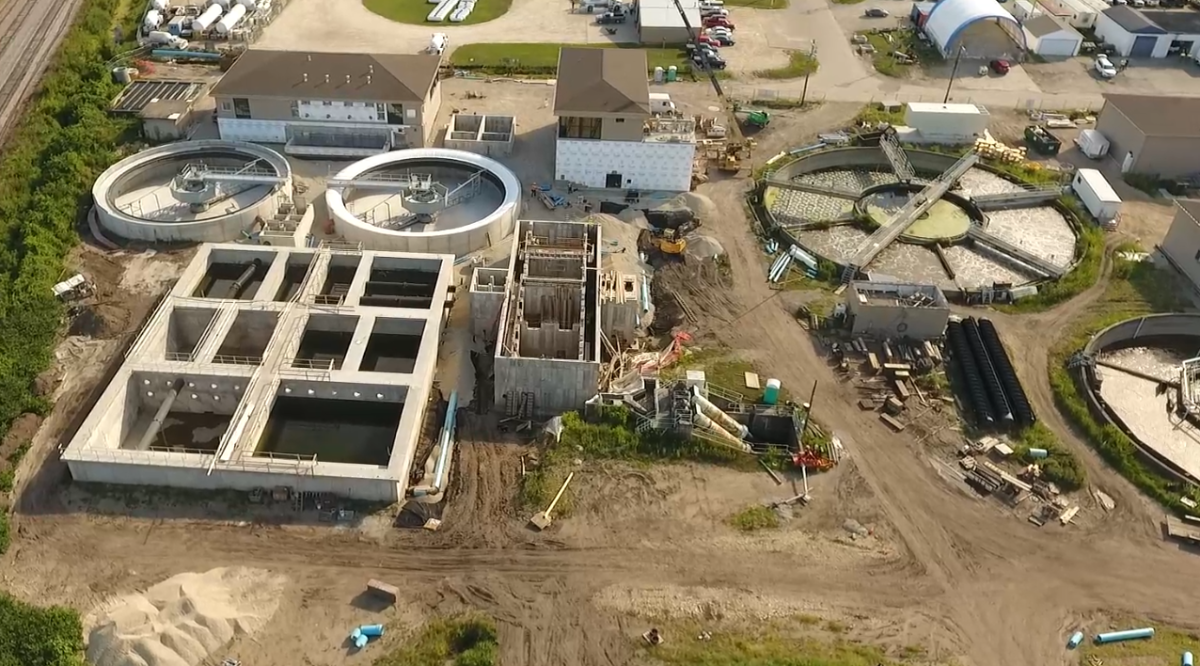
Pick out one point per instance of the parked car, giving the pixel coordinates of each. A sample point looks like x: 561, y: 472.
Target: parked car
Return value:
x: 608, y: 18
x: 437, y: 43
x: 706, y: 4
x: 1000, y: 67
x: 723, y: 38
x: 718, y: 21
x: 876, y: 12
x: 714, y: 61
x: 707, y: 49
x: 1104, y: 67
x: 709, y: 40
x: 714, y: 11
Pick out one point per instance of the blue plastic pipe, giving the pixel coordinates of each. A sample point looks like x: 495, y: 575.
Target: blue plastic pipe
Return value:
x: 1129, y: 635
x: 1038, y: 453
x: 1076, y: 639
x: 1187, y: 659
x: 371, y: 630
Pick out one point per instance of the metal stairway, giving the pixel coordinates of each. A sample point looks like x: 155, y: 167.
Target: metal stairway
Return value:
x: 465, y: 192
x: 1028, y: 197
x: 912, y: 211
x: 894, y: 152
x: 1020, y: 254
x: 800, y: 186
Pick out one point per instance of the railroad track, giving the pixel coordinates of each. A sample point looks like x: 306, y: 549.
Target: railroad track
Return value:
x: 28, y: 57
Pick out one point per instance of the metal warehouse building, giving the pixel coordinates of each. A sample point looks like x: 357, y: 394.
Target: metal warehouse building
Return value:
x: 1139, y: 33
x: 659, y: 22
x: 1151, y: 134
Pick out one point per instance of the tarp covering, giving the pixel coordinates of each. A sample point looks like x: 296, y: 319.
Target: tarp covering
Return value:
x: 950, y: 18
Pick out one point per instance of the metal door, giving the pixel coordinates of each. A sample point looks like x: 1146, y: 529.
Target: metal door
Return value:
x: 612, y: 181
x: 1143, y: 47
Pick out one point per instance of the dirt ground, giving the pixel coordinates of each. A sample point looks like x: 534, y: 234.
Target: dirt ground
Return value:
x: 953, y: 575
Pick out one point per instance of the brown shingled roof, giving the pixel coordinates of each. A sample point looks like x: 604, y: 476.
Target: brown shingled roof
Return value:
x: 330, y: 76
x: 1160, y: 116
x: 601, y: 81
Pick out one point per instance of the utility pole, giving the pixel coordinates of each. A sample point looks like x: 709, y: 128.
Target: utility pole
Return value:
x: 953, y: 73
x: 812, y: 55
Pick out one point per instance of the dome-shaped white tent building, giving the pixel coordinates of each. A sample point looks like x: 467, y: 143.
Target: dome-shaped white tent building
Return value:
x: 982, y: 28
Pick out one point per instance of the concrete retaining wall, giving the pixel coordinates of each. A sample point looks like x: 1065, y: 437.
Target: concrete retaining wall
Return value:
x: 558, y: 385
x: 1149, y: 327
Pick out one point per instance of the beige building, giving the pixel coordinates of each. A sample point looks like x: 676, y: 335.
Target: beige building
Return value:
x: 1151, y: 134
x: 607, y: 136
x: 1182, y: 244
x: 330, y: 104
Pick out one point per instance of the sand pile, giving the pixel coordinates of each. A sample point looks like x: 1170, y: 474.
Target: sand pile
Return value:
x: 182, y: 620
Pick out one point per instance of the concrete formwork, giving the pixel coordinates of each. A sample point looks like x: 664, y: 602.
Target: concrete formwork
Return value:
x: 487, y: 296
x: 886, y: 310
x: 548, y: 352
x: 485, y: 135
x: 234, y: 360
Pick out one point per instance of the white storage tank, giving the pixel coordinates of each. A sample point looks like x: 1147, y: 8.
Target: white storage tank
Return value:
x: 161, y: 37
x: 1097, y: 195
x: 207, y: 19
x: 223, y: 3
x: 227, y: 24
x: 160, y: 5
x: 153, y: 19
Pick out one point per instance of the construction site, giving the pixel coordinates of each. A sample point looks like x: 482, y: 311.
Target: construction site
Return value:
x: 309, y: 369
x: 385, y: 369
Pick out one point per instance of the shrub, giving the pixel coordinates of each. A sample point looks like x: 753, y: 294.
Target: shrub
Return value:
x: 1060, y: 466
x: 754, y: 518
x: 32, y: 636
x: 463, y: 640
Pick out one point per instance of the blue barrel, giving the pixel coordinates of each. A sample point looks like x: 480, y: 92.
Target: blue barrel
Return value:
x: 1038, y: 453
x: 360, y: 642
x: 371, y: 630
x: 1076, y: 639
x: 1128, y: 635
x: 1187, y: 659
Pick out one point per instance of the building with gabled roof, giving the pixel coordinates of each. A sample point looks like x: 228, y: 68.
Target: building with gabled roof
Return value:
x: 330, y: 104
x: 607, y: 135
x: 1152, y: 134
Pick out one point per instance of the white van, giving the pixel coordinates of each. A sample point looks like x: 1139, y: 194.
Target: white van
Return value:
x: 661, y: 104
x: 437, y: 43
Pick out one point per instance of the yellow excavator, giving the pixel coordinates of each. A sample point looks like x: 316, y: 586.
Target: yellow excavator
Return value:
x: 737, y: 149
x: 667, y: 242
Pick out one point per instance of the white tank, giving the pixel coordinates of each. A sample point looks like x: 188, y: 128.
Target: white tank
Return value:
x: 226, y: 24
x: 223, y: 3
x: 160, y: 5
x: 248, y: 4
x: 153, y: 19
x: 205, y: 20
x: 161, y: 37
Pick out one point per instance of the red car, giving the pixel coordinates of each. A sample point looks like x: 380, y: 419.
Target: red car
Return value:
x: 1000, y: 67
x: 714, y: 21
x: 711, y: 41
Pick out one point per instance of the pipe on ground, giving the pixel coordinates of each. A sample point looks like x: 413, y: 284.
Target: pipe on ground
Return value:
x: 239, y: 285
x: 705, y: 422
x: 439, y: 471
x: 160, y: 416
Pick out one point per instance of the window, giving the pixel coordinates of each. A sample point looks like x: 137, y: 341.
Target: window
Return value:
x: 295, y: 109
x: 380, y: 112
x: 620, y: 120
x: 241, y: 107
x: 570, y: 127
x: 226, y: 105
x: 328, y: 103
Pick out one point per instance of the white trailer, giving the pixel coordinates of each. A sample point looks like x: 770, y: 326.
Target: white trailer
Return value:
x: 1097, y: 195
x: 1092, y: 143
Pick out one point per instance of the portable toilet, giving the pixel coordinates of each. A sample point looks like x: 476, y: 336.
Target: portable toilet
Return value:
x: 771, y: 393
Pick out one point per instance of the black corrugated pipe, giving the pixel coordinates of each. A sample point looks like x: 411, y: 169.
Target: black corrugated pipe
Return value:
x: 991, y: 380
x: 1008, y: 374
x: 974, y: 384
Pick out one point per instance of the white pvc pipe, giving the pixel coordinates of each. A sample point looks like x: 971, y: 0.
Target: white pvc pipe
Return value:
x: 705, y: 422
x: 724, y: 420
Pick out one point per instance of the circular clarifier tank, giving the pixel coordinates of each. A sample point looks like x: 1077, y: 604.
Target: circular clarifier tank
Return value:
x: 965, y: 241
x: 425, y: 200
x: 211, y: 191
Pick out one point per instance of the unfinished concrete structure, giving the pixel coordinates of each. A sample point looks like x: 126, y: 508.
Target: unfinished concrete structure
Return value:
x: 888, y: 310
x: 264, y: 366
x: 486, y: 135
x: 548, y: 353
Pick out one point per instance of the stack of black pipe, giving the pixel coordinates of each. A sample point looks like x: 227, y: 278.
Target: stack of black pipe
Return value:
x: 1013, y: 391
x: 987, y: 370
x: 969, y: 373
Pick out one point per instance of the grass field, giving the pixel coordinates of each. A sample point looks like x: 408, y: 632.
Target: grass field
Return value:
x: 415, y: 11
x: 799, y: 64
x: 534, y: 58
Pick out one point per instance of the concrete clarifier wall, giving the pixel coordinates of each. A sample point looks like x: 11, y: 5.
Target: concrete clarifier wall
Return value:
x: 558, y: 385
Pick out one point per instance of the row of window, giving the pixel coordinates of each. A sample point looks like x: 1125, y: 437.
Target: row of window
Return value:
x: 570, y: 127
x: 388, y: 113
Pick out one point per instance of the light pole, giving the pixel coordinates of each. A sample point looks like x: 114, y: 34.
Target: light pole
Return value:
x: 953, y: 73
x: 812, y: 56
